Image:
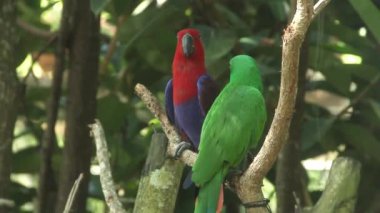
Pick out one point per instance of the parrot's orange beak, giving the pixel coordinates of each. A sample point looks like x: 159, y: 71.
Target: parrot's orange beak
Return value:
x: 188, y: 45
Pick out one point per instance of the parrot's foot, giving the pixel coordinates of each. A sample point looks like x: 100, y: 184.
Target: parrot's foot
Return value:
x: 181, y: 147
x: 234, y: 173
x: 231, y: 176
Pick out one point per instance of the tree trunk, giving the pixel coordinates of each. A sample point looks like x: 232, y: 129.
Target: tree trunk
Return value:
x: 160, y: 180
x: 290, y: 182
x: 9, y: 93
x: 47, y: 189
x: 341, y: 189
x: 81, y: 108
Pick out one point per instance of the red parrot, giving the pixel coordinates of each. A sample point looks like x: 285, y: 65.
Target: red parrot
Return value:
x: 191, y: 92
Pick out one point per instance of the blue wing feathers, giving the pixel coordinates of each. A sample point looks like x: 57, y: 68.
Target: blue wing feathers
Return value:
x: 207, y: 92
x: 169, y: 107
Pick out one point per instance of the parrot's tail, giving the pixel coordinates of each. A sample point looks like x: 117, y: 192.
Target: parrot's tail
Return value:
x: 210, y: 197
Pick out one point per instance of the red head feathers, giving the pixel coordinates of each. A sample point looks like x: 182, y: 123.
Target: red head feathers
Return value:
x: 188, y: 65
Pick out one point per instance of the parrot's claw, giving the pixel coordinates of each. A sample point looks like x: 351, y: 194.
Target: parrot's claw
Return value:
x: 181, y: 147
x: 234, y: 173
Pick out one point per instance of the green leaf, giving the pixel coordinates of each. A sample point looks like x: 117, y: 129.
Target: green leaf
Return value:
x: 314, y: 130
x: 111, y: 112
x: 98, y: 5
x: 123, y: 7
x: 363, y: 71
x: 349, y: 36
x: 233, y: 19
x: 217, y: 42
x: 279, y: 9
x: 340, y: 79
x: 21, y: 194
x: 375, y: 106
x: 362, y: 139
x: 369, y: 13
x: 26, y: 160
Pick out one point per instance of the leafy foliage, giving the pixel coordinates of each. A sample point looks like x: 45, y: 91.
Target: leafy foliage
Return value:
x: 143, y: 53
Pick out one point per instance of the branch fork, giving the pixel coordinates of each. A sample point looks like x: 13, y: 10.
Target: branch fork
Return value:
x: 248, y: 186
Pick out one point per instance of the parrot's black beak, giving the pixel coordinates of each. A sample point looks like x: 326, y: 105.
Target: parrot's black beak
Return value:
x: 187, y: 45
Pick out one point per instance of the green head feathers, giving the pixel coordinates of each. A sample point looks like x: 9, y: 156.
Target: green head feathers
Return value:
x: 244, y: 71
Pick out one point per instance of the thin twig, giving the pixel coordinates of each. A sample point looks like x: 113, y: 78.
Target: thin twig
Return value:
x: 188, y: 157
x: 45, y: 34
x: 319, y: 6
x: 112, y: 45
x: 106, y: 180
x: 248, y: 186
x: 73, y: 193
x: 47, y: 180
x: 361, y: 95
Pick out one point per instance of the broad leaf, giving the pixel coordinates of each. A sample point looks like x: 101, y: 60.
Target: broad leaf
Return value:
x: 362, y: 139
x: 98, y: 5
x: 376, y: 107
x: 370, y: 14
x: 26, y: 161
x: 314, y: 130
x: 111, y: 112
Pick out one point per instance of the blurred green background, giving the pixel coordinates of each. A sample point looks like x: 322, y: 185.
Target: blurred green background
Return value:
x: 341, y: 53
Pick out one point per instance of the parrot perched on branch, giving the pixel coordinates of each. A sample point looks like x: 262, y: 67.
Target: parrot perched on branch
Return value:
x: 190, y: 93
x: 233, y: 125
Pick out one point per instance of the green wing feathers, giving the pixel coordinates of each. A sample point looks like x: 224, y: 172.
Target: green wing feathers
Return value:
x: 208, y: 197
x: 233, y: 125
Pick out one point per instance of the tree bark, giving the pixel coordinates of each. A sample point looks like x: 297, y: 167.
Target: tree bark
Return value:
x: 289, y: 176
x: 160, y: 180
x: 248, y: 186
x: 340, y: 193
x: 9, y: 93
x: 81, y: 109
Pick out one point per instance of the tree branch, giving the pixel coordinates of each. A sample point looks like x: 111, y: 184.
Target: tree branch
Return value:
x: 360, y: 96
x: 341, y: 189
x: 106, y: 180
x: 160, y: 179
x: 188, y: 157
x: 319, y: 6
x: 45, y: 34
x: 248, y: 186
x: 112, y: 45
x: 72, y: 194
x: 47, y: 182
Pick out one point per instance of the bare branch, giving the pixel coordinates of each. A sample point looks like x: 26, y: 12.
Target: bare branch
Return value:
x: 72, y: 194
x: 188, y: 157
x: 341, y: 189
x: 248, y: 186
x: 112, y: 45
x: 106, y: 180
x: 45, y: 34
x: 360, y: 96
x: 319, y: 6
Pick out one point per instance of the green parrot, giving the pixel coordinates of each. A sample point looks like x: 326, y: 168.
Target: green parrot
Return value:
x: 233, y: 125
